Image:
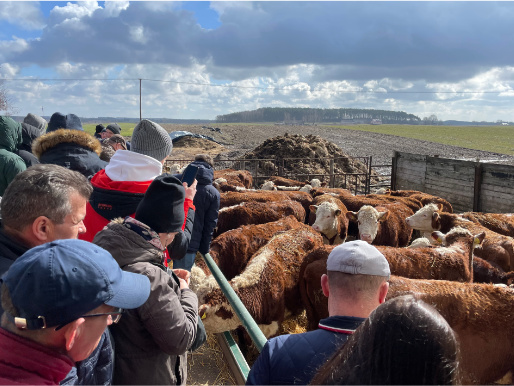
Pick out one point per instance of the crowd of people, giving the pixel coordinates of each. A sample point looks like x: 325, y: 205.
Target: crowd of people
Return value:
x: 90, y: 226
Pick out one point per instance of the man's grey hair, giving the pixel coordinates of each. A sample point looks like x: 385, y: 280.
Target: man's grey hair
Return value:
x: 41, y: 190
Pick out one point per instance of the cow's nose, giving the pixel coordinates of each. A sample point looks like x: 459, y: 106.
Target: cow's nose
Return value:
x: 367, y: 238
x: 316, y: 228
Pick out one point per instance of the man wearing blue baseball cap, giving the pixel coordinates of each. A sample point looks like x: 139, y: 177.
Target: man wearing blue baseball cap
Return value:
x: 58, y: 299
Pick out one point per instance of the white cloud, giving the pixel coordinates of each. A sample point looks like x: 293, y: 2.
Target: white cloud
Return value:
x: 25, y: 14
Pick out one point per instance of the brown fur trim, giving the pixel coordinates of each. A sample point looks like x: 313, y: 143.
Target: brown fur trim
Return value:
x: 52, y: 139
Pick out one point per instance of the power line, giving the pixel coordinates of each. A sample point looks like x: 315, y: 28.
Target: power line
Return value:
x: 245, y: 87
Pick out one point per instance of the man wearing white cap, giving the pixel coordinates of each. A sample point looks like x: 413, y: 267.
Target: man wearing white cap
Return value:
x: 355, y: 284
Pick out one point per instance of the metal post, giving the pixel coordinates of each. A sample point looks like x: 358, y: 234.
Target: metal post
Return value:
x: 140, y: 101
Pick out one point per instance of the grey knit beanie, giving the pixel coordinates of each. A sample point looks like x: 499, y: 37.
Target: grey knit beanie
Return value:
x: 151, y: 139
x: 36, y: 121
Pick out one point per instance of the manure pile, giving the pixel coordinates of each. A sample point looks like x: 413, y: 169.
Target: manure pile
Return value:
x: 312, y: 158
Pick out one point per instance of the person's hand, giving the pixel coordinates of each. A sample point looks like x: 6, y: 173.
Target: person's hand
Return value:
x: 190, y: 190
x: 183, y: 274
x: 183, y: 283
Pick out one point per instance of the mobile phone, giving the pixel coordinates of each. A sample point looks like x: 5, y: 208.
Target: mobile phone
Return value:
x: 189, y: 174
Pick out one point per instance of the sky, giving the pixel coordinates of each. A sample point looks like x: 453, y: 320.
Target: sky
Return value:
x: 201, y: 59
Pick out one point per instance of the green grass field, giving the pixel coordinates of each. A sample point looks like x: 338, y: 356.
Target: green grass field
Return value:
x: 498, y: 139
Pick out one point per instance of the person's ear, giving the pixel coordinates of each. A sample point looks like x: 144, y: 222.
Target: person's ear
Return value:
x: 382, y: 292
x: 324, y: 285
x: 42, y: 228
x: 73, y: 332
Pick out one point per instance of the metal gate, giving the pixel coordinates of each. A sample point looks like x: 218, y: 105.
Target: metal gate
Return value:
x: 264, y: 168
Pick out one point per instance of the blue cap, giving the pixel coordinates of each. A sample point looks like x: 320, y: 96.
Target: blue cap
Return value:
x: 57, y: 282
x: 61, y: 121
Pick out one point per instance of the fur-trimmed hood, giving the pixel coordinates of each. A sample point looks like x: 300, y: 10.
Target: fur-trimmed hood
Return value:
x: 54, y: 138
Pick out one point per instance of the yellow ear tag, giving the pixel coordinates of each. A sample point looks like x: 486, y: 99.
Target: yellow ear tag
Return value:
x: 476, y: 241
x: 203, y: 316
x: 439, y: 239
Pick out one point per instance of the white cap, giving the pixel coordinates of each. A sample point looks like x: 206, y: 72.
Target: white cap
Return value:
x: 358, y: 258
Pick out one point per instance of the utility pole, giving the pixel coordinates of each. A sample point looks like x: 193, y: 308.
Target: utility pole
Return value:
x: 140, y: 101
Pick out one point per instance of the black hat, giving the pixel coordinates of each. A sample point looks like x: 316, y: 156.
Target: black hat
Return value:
x: 162, y: 207
x: 114, y: 127
x: 99, y: 128
x: 61, y: 121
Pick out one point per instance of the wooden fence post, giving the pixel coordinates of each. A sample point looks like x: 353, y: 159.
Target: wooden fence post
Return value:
x: 477, y: 187
x: 332, y: 177
x: 393, y: 170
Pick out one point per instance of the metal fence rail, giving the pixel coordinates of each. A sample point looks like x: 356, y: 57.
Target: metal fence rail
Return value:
x: 264, y: 168
x: 236, y: 360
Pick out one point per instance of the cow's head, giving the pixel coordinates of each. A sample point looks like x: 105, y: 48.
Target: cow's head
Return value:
x: 368, y: 220
x: 426, y: 219
x: 326, y: 221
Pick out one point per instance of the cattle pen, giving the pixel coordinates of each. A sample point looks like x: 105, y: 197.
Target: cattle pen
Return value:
x: 363, y: 181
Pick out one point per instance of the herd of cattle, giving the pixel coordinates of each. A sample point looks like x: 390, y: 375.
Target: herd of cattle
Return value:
x: 272, y: 246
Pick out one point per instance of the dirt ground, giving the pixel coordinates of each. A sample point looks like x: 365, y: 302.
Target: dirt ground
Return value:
x: 238, y: 140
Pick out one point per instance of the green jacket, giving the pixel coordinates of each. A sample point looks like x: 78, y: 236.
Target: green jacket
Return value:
x: 10, y: 163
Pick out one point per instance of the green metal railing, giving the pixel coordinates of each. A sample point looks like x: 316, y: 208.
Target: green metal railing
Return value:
x: 246, y: 319
x: 238, y: 363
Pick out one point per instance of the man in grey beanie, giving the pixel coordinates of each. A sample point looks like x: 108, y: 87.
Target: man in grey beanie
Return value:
x: 152, y: 140
x: 119, y: 188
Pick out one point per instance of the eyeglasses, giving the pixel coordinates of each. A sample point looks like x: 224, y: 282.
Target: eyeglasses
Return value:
x: 115, y: 315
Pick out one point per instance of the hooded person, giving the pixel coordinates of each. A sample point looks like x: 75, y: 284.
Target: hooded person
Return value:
x: 67, y: 144
x: 118, y: 190
x: 32, y: 127
x: 98, y: 130
x: 151, y: 341
x: 10, y: 163
x: 207, y: 204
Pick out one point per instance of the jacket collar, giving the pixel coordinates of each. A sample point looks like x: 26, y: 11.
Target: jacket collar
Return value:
x: 126, y: 165
x: 54, y: 138
x: 341, y: 324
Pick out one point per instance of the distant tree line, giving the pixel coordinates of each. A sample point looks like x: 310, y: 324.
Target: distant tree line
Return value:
x: 313, y: 115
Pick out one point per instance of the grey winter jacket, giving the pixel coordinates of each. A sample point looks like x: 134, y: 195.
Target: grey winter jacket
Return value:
x: 150, y: 341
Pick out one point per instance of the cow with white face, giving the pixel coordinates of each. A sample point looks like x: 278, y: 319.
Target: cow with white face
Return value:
x: 331, y: 220
x: 384, y: 225
x: 368, y: 219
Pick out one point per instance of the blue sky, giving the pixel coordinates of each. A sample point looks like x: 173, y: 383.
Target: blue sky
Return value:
x: 451, y: 59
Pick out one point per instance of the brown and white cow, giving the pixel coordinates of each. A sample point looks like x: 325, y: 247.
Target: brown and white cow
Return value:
x: 329, y: 219
x: 480, y: 315
x: 232, y: 249
x: 383, y: 225
x: 268, y: 286
x: 453, y: 260
x: 496, y: 248
x: 502, y: 223
x: 257, y: 213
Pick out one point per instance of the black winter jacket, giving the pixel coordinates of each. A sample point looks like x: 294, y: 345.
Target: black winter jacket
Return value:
x: 73, y: 149
x: 207, y: 204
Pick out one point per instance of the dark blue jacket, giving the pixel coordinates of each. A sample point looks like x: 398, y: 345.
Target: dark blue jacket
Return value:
x: 72, y: 149
x: 98, y: 367
x: 207, y: 204
x: 295, y: 359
